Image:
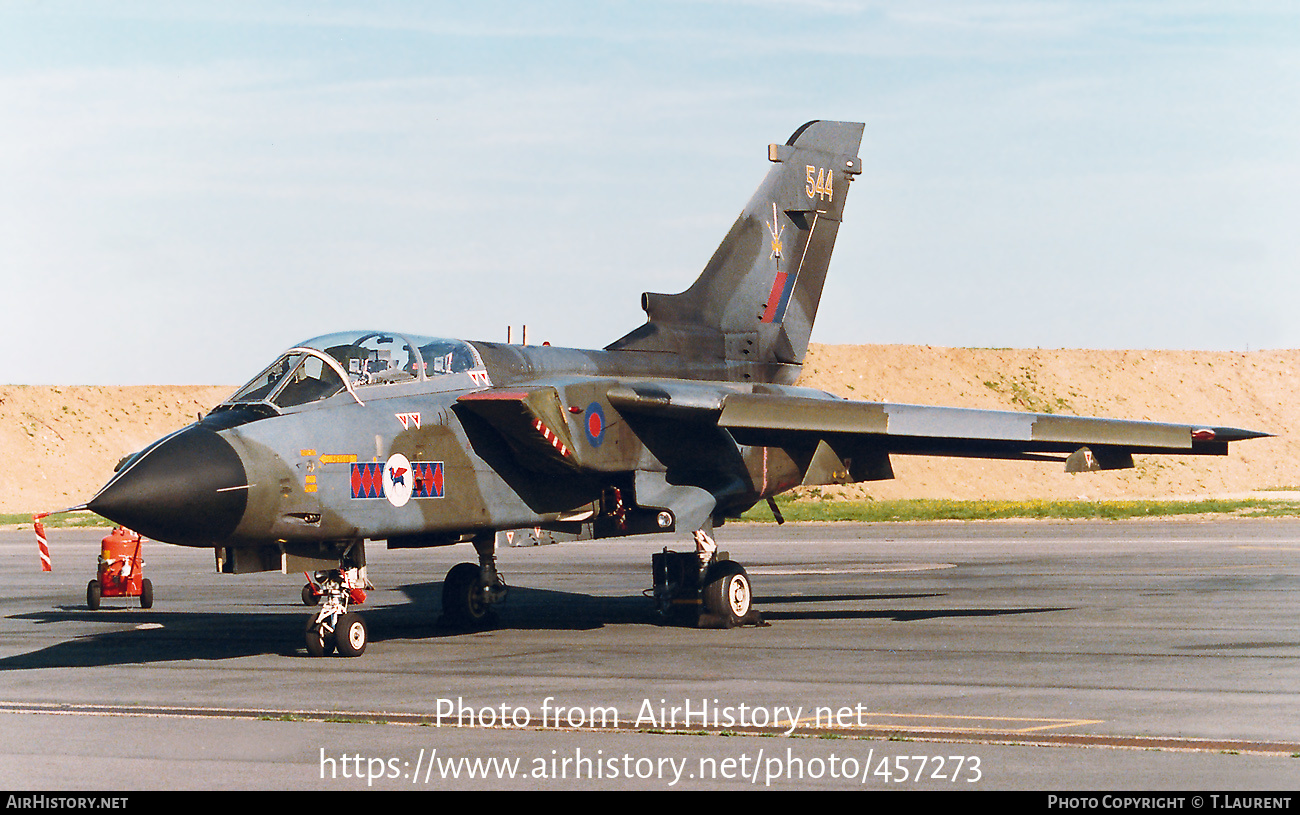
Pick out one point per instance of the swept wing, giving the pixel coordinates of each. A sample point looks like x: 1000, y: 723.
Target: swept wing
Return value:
x: 872, y: 430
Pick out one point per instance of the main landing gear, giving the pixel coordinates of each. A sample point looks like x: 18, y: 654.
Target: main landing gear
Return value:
x: 469, y: 591
x: 703, y: 588
x: 333, y: 627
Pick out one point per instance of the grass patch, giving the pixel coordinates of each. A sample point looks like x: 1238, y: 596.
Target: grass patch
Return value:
x: 920, y: 509
x: 66, y: 520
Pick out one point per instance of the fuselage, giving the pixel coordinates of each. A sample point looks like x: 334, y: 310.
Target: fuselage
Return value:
x: 379, y: 435
x: 351, y: 437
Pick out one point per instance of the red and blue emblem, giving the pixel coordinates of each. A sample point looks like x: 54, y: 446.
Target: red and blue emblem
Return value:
x: 595, y: 424
x: 368, y: 479
x: 398, y: 480
x: 428, y: 479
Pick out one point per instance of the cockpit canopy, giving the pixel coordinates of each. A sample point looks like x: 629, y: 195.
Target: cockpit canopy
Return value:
x: 354, y: 361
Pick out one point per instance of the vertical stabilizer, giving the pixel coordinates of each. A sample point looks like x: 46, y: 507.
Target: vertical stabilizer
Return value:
x: 754, y: 304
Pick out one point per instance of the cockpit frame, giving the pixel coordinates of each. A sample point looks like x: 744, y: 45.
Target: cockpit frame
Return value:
x: 409, y: 358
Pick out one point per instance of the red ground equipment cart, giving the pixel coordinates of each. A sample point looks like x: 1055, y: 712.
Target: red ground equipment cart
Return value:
x: 121, y: 570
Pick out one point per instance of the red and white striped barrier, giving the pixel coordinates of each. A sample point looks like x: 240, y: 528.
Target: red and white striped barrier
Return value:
x: 42, y: 543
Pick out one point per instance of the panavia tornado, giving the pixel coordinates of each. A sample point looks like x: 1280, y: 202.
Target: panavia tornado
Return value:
x: 688, y: 420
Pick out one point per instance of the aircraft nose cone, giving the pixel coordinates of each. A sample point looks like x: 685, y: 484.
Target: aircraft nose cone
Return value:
x: 189, y: 488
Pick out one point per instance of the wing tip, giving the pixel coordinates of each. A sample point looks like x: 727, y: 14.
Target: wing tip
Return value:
x: 1228, y: 434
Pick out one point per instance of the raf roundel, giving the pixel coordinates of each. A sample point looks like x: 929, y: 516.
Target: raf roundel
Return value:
x: 595, y: 424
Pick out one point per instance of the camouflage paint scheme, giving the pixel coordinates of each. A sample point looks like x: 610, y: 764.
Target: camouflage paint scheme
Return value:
x: 685, y: 421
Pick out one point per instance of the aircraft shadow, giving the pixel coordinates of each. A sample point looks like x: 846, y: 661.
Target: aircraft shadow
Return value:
x: 836, y: 598
x: 170, y: 636
x: 536, y: 609
x: 157, y: 635
x: 903, y: 616
x: 767, y: 603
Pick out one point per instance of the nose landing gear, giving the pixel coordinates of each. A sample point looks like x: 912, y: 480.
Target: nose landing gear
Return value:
x: 333, y: 627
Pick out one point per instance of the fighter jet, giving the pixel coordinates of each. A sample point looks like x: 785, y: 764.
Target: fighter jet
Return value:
x: 688, y: 420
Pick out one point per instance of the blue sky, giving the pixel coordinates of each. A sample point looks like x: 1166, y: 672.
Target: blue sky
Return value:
x: 188, y: 188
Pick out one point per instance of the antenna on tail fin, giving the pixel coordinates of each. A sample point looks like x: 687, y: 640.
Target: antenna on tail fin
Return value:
x: 754, y: 304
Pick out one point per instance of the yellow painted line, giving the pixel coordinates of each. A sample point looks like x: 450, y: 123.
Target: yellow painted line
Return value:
x: 925, y: 722
x: 1210, y: 569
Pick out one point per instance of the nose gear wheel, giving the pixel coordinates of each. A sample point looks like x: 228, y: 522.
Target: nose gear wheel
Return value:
x: 333, y: 627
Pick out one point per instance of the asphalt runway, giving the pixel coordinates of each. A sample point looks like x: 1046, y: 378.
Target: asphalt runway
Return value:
x: 1043, y: 656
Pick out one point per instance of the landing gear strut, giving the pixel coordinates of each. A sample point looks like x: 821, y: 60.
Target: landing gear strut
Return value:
x: 703, y: 588
x: 333, y: 627
x: 469, y: 591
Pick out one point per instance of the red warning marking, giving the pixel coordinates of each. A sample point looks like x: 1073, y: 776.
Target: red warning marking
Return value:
x: 551, y: 437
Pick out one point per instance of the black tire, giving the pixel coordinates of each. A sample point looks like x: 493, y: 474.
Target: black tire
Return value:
x: 308, y: 595
x: 93, y: 593
x: 319, y: 643
x: 462, y: 596
x: 350, y: 635
x: 728, y: 595
x: 146, y: 593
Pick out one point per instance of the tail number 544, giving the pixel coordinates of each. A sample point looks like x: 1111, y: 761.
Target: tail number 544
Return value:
x: 820, y: 183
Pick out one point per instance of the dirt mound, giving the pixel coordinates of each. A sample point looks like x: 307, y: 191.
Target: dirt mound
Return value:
x: 1248, y: 390
x: 60, y: 444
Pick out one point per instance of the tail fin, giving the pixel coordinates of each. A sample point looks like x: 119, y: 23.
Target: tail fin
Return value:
x: 755, y: 302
